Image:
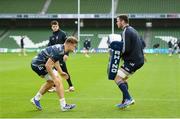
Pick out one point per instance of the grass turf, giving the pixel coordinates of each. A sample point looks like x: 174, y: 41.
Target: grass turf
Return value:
x: 155, y: 87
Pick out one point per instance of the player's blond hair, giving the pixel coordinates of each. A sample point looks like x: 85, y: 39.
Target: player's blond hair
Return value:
x: 71, y: 39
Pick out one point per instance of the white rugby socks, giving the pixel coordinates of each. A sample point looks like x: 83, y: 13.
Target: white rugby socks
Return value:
x: 38, y: 96
x: 62, y: 102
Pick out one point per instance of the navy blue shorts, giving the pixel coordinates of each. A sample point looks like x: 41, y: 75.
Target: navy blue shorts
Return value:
x: 40, y: 70
x: 87, y: 48
x: 22, y: 46
x: 131, y: 67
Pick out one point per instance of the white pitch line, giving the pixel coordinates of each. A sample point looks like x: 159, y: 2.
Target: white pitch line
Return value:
x: 103, y: 99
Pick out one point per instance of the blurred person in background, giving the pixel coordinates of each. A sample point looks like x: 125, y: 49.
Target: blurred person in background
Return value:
x: 59, y: 37
x: 87, y: 46
x: 23, y: 50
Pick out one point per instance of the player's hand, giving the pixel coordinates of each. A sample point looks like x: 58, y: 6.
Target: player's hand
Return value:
x: 65, y: 57
x: 64, y: 75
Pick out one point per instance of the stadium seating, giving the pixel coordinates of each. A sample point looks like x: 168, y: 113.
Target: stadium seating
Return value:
x: 95, y: 34
x: 170, y: 32
x: 63, y: 7
x: 95, y: 6
x: 2, y: 29
x: 159, y: 36
x: 148, y: 6
x: 21, y: 6
x: 38, y: 35
x: 87, y: 6
x: 90, y: 6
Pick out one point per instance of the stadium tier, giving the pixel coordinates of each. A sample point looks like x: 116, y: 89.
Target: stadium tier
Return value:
x: 38, y: 37
x: 90, y: 6
x: 95, y: 6
x: 161, y: 36
x: 2, y: 30
x: 95, y: 34
x: 87, y: 6
x: 21, y: 6
x: 148, y: 6
x: 63, y: 6
x: 35, y: 37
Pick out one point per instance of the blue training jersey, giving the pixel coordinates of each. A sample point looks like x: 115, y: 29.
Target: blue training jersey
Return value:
x: 55, y: 52
x: 132, y: 49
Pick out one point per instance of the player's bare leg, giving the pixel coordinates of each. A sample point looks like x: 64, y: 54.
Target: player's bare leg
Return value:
x: 44, y: 88
x: 122, y: 84
x: 60, y: 92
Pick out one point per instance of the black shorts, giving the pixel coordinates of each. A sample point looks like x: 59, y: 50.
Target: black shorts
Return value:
x: 40, y: 70
x: 22, y: 46
x: 87, y: 48
x: 131, y: 67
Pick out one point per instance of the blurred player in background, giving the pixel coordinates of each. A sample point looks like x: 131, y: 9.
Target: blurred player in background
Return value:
x: 23, y: 51
x: 59, y: 37
x: 44, y: 63
x: 133, y: 57
x: 87, y: 46
x: 155, y: 47
x: 170, y: 46
x: 179, y: 47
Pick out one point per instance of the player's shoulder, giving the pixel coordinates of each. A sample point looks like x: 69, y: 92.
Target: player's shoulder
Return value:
x: 131, y: 30
x: 62, y: 31
x: 58, y: 46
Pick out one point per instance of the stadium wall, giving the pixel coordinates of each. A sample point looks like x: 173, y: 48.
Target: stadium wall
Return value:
x: 87, y: 22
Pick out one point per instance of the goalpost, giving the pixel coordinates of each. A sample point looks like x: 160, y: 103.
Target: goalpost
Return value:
x: 112, y: 13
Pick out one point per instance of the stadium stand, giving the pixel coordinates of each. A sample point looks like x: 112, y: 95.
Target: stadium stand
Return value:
x: 95, y: 6
x: 36, y: 35
x: 159, y: 36
x: 91, y: 28
x: 21, y: 6
x: 63, y: 7
x: 90, y: 6
x: 2, y: 29
x: 87, y: 6
x: 95, y: 34
x: 148, y: 6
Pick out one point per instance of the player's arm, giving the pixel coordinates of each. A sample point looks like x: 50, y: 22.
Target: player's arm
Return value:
x: 49, y: 67
x: 65, y: 57
x: 63, y: 74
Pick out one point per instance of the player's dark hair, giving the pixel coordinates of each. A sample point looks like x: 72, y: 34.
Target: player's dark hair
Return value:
x: 54, y: 22
x: 124, y: 17
x: 71, y: 39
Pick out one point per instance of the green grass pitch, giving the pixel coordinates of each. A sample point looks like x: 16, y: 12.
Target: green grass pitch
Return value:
x: 155, y: 87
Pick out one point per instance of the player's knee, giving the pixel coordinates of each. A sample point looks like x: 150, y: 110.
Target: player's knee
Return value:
x: 50, y: 82
x: 118, y: 80
x: 57, y: 83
